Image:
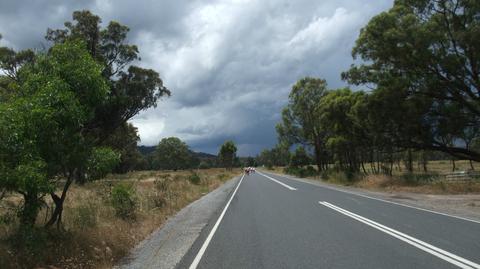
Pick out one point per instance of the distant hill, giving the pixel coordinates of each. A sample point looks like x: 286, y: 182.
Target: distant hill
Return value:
x: 145, y: 150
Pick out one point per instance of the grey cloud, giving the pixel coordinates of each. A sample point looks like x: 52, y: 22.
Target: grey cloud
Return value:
x: 229, y: 63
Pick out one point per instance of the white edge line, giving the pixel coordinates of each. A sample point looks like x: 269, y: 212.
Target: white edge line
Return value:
x: 440, y: 253
x: 382, y: 200
x: 451, y: 255
x: 281, y: 183
x: 200, y: 253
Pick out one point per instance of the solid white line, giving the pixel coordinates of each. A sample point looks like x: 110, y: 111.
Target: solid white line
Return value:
x: 442, y: 254
x: 214, y: 229
x: 281, y: 183
x: 382, y: 200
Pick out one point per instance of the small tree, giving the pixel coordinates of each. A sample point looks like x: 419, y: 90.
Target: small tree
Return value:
x: 227, y: 154
x: 173, y: 154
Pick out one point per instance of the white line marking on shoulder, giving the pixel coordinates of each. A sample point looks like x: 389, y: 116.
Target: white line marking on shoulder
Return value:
x: 440, y: 253
x: 200, y: 253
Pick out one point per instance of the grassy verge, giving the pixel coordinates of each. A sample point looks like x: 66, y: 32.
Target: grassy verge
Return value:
x: 432, y: 182
x: 99, y: 230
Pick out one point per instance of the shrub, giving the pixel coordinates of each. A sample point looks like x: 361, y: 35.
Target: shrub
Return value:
x: 194, y: 178
x: 124, y: 201
x: 203, y: 165
x: 340, y: 177
x: 308, y: 171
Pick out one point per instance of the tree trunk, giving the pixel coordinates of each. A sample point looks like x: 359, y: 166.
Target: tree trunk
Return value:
x: 471, y: 165
x: 409, y: 161
x: 318, y: 156
x: 453, y: 165
x: 56, y: 217
x: 30, y: 210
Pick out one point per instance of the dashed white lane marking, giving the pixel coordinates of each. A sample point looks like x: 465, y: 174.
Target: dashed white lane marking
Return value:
x: 276, y: 181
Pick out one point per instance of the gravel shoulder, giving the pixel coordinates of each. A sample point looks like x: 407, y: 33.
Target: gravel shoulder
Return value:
x: 165, y: 247
x: 461, y: 205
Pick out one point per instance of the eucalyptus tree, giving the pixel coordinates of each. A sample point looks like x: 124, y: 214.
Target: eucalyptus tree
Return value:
x: 42, y: 127
x: 172, y: 154
x: 428, y: 51
x: 300, y: 118
x: 131, y: 89
x: 227, y: 154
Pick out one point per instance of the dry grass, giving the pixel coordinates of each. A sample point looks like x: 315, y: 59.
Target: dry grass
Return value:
x: 432, y: 182
x: 397, y: 184
x: 94, y: 236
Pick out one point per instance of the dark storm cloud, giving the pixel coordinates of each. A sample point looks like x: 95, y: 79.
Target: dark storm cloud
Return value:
x: 229, y: 63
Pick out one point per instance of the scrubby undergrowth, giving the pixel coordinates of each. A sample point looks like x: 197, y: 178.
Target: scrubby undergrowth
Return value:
x: 102, y: 220
x: 432, y: 182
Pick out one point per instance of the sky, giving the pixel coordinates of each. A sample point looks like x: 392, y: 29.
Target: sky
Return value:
x: 230, y: 64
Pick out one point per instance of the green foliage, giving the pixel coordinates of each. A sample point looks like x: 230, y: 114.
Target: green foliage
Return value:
x: 58, y: 106
x: 173, y: 154
x: 227, y: 154
x: 299, y: 158
x: 194, y: 178
x: 277, y: 156
x: 250, y: 162
x: 300, y: 117
x: 41, y: 127
x: 419, y: 56
x: 302, y: 172
x: 124, y: 201
x: 101, y: 162
x: 132, y: 88
x: 124, y: 141
x: 203, y: 165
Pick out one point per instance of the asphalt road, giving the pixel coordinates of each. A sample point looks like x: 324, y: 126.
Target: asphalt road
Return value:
x: 271, y: 221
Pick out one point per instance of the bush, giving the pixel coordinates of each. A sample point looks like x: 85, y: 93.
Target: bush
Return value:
x: 124, y: 201
x: 340, y: 177
x: 194, y: 178
x: 203, y: 165
x: 308, y: 171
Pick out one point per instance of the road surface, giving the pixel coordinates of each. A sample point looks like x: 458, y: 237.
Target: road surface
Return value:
x: 271, y: 221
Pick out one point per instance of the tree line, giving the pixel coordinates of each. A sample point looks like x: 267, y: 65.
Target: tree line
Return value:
x: 172, y: 153
x: 420, y: 63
